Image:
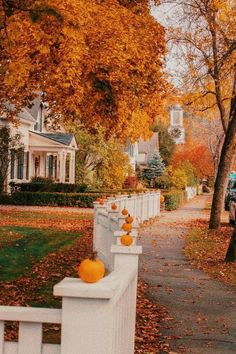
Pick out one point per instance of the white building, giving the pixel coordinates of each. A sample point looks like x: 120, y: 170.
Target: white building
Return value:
x: 145, y: 150
x: 140, y: 151
x: 46, y: 153
x: 176, y: 127
x: 132, y: 151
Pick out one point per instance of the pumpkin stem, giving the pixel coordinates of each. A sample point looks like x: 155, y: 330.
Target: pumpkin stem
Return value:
x: 94, y: 255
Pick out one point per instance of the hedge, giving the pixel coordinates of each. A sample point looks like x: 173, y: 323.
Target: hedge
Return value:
x: 174, y: 199
x: 84, y: 200
x: 51, y: 187
x: 66, y: 188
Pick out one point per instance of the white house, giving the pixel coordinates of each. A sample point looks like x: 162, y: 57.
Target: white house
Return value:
x: 132, y: 151
x: 140, y: 151
x: 46, y: 153
x: 146, y: 149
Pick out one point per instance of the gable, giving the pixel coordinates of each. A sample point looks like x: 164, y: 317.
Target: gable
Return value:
x: 58, y: 140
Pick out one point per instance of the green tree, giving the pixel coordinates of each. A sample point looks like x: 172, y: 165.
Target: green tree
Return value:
x: 189, y: 171
x: 10, y: 145
x: 100, y: 162
x: 172, y: 179
x: 166, y: 141
x: 155, y: 167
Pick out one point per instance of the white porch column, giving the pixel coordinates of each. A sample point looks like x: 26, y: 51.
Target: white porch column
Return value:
x: 62, y: 172
x: 72, y: 167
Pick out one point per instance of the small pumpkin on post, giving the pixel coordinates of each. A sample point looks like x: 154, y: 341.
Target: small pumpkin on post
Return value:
x: 126, y: 240
x: 127, y: 227
x: 91, y: 269
x: 124, y: 212
x: 129, y: 219
x: 113, y: 206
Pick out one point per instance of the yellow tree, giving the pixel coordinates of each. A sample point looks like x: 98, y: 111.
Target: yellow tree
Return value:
x: 97, y: 63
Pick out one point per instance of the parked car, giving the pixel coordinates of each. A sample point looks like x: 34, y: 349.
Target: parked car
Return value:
x: 230, y: 192
x: 232, y: 210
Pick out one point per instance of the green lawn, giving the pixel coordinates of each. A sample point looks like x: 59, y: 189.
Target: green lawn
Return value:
x: 20, y: 247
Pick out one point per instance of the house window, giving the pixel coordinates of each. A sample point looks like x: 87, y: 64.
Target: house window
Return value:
x: 55, y: 167
x: 36, y: 166
x: 50, y: 166
x: 13, y: 157
x: 27, y: 165
x: 67, y: 168
x: 20, y: 166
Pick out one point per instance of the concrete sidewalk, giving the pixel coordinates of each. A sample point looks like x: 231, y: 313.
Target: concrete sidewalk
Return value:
x: 202, y: 311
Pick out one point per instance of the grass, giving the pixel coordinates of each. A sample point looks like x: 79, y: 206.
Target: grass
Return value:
x: 206, y: 250
x: 6, y: 216
x: 26, y: 245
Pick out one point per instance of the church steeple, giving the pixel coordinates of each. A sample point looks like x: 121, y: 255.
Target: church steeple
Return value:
x: 176, y: 127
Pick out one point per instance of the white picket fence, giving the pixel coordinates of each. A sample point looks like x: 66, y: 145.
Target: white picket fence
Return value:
x: 95, y: 318
x: 191, y: 192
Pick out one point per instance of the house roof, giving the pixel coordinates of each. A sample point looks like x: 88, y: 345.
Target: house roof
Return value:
x: 148, y: 146
x: 61, y: 138
x: 34, y: 108
x: 24, y: 114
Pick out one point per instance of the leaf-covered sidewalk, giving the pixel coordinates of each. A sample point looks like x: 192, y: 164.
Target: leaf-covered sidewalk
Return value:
x: 201, y: 311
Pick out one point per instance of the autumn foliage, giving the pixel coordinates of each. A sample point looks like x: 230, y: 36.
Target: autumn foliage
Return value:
x: 198, y: 156
x: 95, y: 63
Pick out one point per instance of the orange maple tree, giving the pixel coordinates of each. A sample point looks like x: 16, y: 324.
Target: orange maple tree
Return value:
x: 198, y: 155
x: 97, y: 63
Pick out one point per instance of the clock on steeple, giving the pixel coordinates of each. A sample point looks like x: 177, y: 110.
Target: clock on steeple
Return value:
x: 176, y: 127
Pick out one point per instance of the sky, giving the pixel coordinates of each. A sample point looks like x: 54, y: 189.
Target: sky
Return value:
x: 163, y: 14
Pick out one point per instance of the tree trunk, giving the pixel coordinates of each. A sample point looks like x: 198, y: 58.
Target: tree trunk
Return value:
x: 226, y: 160
x: 231, y: 252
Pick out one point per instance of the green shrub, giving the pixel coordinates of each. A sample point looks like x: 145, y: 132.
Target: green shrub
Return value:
x: 42, y: 180
x: 174, y: 199
x: 41, y: 185
x: 84, y: 200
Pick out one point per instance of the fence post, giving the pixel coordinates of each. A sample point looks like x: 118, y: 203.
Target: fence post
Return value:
x: 86, y: 316
x: 128, y: 256
x: 96, y: 229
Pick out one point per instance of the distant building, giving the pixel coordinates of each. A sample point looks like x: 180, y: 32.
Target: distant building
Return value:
x: 176, y: 127
x: 140, y: 152
x: 145, y: 150
x: 132, y: 151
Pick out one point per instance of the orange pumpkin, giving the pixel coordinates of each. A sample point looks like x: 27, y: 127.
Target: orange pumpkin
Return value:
x: 91, y: 269
x: 103, y: 197
x: 126, y: 240
x: 124, y: 212
x: 114, y: 206
x: 129, y: 219
x: 101, y: 202
x: 162, y: 199
x: 127, y: 227
x: 98, y: 200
